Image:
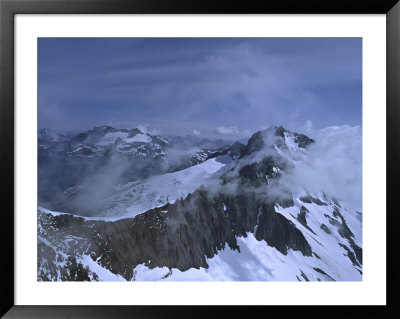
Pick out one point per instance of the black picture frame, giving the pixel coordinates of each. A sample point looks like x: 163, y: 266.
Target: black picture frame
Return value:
x: 8, y: 8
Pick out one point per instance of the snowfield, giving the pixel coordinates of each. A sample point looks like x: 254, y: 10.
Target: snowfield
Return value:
x: 137, y: 197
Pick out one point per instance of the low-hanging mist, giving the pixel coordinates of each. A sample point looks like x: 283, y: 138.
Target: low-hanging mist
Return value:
x: 333, y: 165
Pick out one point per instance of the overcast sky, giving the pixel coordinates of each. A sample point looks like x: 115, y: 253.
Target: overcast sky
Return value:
x: 203, y: 86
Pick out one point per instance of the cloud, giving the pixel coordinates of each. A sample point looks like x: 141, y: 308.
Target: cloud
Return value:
x: 202, y: 82
x: 232, y: 131
x: 52, y: 113
x: 308, y: 128
x: 333, y: 165
x: 142, y: 128
x: 196, y: 132
x: 154, y: 131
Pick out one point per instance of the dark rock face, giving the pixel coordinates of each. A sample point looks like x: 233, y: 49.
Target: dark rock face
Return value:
x: 281, y: 233
x: 191, y: 229
x: 256, y: 174
x: 234, y: 151
x: 255, y: 144
x: 351, y: 255
x: 304, y: 276
x: 303, y: 140
x: 309, y: 199
x: 285, y: 200
x: 70, y: 271
x: 323, y: 272
x: 237, y: 149
x: 325, y: 229
x: 301, y: 217
x: 343, y: 229
x: 354, y: 252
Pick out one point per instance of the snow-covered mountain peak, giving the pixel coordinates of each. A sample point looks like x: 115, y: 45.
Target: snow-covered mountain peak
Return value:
x: 276, y: 138
x: 267, y: 153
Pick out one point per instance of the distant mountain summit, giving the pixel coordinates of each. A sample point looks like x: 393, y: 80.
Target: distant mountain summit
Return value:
x: 276, y: 136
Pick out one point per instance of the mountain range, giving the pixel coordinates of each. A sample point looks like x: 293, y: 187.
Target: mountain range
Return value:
x: 124, y: 205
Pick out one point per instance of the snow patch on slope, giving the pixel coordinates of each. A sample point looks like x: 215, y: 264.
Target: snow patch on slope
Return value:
x: 332, y: 256
x: 110, y: 138
x: 143, y: 138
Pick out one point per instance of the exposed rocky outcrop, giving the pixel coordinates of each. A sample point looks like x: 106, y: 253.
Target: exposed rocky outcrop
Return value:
x: 179, y: 235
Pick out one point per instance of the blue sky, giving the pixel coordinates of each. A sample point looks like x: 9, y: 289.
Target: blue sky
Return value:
x: 212, y: 87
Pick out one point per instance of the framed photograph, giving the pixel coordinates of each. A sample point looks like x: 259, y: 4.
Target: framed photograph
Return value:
x: 194, y: 154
